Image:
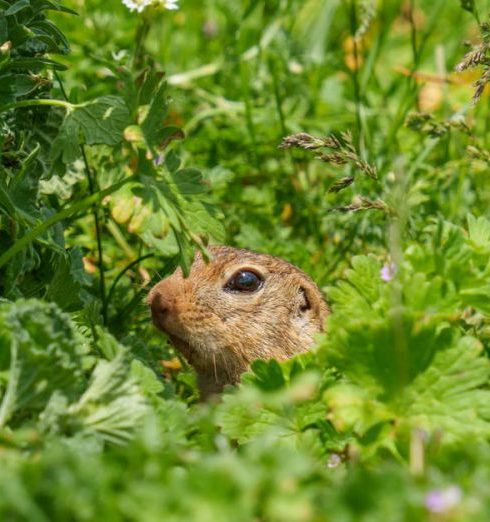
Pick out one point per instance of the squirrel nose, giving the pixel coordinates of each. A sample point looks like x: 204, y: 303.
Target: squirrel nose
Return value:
x: 163, y: 301
x: 160, y: 305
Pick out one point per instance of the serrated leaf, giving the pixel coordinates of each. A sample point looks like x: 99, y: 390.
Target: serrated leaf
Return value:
x: 268, y: 374
x: 100, y: 121
x: 243, y: 419
x: 153, y: 125
x: 146, y: 378
x: 186, y: 213
x: 64, y: 288
x: 479, y: 234
x: 189, y: 181
x: 113, y: 405
x: 402, y: 361
x: 41, y: 353
x: 449, y: 395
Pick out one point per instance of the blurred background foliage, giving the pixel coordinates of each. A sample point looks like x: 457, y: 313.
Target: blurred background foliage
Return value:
x: 244, y: 75
x: 168, y: 131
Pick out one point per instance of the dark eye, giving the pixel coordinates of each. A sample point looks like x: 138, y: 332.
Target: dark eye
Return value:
x: 244, y: 281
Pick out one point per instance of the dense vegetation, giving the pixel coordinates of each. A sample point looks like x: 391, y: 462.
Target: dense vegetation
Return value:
x: 349, y: 137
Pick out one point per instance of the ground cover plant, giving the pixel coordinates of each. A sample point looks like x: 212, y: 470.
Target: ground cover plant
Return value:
x: 349, y: 137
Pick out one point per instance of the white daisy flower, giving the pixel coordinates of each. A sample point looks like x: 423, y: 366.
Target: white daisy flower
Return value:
x: 140, y: 5
x: 170, y: 4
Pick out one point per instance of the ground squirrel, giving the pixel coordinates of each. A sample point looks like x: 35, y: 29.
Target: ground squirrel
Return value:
x: 238, y: 307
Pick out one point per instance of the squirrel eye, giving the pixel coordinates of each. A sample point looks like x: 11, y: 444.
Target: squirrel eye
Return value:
x: 244, y: 281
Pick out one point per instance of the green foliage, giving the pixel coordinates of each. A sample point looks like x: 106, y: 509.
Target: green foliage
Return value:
x: 44, y: 384
x: 333, y: 134
x: 99, y: 121
x: 397, y: 346
x: 40, y: 353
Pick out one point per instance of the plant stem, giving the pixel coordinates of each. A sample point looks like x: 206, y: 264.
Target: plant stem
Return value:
x: 355, y: 69
x: 277, y: 97
x: 35, y: 103
x: 8, y: 399
x: 98, y: 235
x: 245, y: 84
x: 141, y: 34
x: 413, y: 42
x: 123, y: 271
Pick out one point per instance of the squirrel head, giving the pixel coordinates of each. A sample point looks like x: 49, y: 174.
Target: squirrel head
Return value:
x: 238, y: 307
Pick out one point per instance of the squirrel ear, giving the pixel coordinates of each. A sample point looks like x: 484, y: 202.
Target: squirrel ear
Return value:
x: 312, y: 302
x: 306, y: 301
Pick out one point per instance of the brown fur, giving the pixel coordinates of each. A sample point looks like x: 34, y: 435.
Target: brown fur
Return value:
x: 220, y: 332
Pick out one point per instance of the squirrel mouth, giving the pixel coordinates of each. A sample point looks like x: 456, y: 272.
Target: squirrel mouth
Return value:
x: 185, y: 348
x: 178, y: 340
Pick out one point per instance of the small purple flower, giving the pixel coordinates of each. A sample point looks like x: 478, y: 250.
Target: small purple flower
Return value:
x: 387, y: 273
x: 443, y: 500
x: 159, y: 160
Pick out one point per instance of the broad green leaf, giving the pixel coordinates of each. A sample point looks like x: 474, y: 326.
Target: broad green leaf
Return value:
x: 112, y: 406
x: 100, y: 121
x: 402, y: 360
x: 153, y: 124
x: 450, y: 395
x: 64, y: 288
x: 244, y: 417
x: 39, y: 353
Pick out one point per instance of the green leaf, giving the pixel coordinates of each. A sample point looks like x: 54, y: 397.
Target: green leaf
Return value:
x: 478, y: 298
x: 34, y: 64
x: 401, y: 359
x: 100, y: 121
x: 112, y: 407
x: 180, y: 206
x: 64, y: 288
x: 16, y: 7
x: 146, y: 378
x: 55, y: 6
x: 153, y: 125
x: 479, y: 234
x: 468, y: 5
x: 450, y: 395
x: 244, y: 417
x: 172, y: 161
x: 189, y: 181
x: 268, y: 374
x: 40, y: 352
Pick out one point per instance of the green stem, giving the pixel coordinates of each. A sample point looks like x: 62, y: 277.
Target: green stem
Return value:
x: 244, y: 76
x: 277, y: 97
x: 36, y: 103
x: 141, y: 34
x: 355, y: 70
x: 98, y: 235
x: 8, y: 399
x: 118, y: 236
x: 413, y: 42
x: 123, y: 271
x: 59, y: 216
